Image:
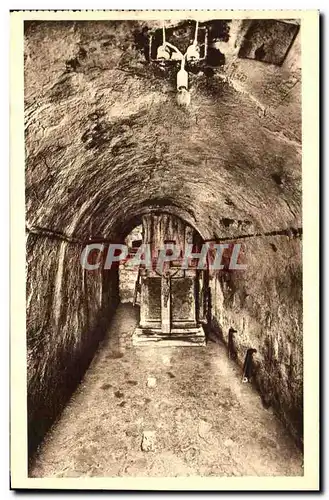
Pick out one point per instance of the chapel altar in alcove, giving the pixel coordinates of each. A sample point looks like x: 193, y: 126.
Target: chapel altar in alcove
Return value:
x: 172, y: 301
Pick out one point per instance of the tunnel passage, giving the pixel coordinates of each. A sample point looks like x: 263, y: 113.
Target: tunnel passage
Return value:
x: 106, y: 144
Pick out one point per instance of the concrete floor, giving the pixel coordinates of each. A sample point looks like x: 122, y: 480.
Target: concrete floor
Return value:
x: 206, y: 422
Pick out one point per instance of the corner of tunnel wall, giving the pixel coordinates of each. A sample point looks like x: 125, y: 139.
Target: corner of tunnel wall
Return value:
x: 264, y: 305
x: 68, y: 309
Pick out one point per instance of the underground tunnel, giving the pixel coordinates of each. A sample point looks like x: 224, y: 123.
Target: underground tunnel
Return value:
x: 114, y: 156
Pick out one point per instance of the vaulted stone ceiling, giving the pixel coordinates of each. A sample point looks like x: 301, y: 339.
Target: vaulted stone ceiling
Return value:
x: 107, y: 142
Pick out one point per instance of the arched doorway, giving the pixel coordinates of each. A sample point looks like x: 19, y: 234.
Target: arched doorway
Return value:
x: 169, y: 288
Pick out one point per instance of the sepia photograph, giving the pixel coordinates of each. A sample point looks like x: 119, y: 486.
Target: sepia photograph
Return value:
x: 167, y: 198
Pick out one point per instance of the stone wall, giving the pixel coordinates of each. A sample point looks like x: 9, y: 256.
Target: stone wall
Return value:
x: 67, y: 311
x: 263, y: 303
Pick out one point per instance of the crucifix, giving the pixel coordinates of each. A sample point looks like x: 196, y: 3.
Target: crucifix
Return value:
x: 165, y: 299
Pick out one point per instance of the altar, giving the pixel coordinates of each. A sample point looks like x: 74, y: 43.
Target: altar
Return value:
x: 171, y: 301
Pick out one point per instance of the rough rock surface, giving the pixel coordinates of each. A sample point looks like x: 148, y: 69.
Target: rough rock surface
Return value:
x: 264, y: 305
x: 106, y: 143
